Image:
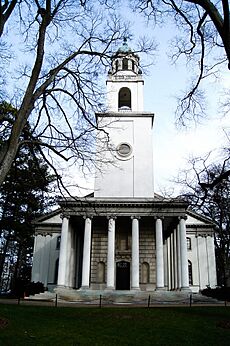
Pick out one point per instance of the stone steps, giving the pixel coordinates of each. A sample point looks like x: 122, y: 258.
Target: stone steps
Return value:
x: 125, y: 297
x: 42, y: 296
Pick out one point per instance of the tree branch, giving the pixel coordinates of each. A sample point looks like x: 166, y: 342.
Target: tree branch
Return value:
x: 5, y: 12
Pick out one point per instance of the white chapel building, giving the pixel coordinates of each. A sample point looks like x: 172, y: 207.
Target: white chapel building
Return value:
x: 124, y: 236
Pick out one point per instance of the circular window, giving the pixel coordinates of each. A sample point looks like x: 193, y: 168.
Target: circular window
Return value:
x: 124, y: 149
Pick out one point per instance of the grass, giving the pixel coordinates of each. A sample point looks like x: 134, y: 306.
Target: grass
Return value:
x: 37, y: 325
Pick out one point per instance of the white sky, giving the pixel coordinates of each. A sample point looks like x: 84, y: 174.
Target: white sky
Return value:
x: 173, y: 147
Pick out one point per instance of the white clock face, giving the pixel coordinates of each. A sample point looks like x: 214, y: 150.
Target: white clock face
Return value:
x: 124, y: 149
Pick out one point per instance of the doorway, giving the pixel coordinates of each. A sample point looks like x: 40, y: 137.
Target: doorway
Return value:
x: 123, y: 275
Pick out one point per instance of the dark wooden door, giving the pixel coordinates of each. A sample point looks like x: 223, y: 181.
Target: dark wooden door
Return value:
x: 123, y: 275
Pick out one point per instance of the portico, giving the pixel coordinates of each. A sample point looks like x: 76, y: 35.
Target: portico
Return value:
x: 134, y: 234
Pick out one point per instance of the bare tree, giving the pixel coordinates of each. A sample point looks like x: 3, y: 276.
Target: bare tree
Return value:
x: 207, y: 189
x: 203, y: 29
x: 57, y: 52
x: 203, y: 38
x: 6, y: 10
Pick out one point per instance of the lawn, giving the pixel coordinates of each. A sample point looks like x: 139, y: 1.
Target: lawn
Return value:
x: 37, y: 325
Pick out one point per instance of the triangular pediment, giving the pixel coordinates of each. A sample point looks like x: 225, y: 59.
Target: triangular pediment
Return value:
x: 53, y: 217
x: 194, y: 218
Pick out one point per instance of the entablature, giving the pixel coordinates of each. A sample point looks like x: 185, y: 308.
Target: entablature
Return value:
x: 124, y: 207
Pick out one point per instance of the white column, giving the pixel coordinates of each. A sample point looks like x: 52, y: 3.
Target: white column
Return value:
x: 111, y: 254
x: 46, y: 258
x: 178, y: 257
x: 169, y: 264
x: 165, y: 252
x: 71, y: 258
x: 211, y: 260
x: 159, y: 255
x: 135, y: 253
x: 184, y: 256
x: 203, y: 262
x: 86, y: 253
x: 36, y: 270
x: 68, y: 254
x: 175, y: 258
x: 63, y: 252
x: 172, y: 261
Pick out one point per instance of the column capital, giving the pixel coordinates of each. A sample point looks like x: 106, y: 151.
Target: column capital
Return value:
x: 135, y: 217
x: 210, y: 235
x: 157, y: 217
x: 42, y: 234
x: 48, y: 234
x: 113, y: 217
x: 65, y: 215
x: 182, y: 217
x: 88, y: 217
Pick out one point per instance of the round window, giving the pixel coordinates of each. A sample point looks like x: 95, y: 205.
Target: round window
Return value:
x: 124, y: 149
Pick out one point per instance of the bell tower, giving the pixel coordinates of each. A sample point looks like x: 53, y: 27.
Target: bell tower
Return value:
x: 125, y: 82
x: 128, y: 131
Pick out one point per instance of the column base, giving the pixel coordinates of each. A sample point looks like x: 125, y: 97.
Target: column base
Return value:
x: 83, y: 288
x: 110, y: 288
x: 135, y: 288
x: 160, y: 289
x: 188, y: 289
x: 62, y: 286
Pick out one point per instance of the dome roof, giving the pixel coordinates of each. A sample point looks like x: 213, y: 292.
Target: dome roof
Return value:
x: 124, y: 48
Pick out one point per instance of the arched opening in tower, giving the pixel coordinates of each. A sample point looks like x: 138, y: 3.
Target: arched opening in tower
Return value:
x: 124, y: 98
x: 125, y: 64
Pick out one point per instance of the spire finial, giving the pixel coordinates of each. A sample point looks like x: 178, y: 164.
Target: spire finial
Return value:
x: 124, y: 48
x: 125, y: 39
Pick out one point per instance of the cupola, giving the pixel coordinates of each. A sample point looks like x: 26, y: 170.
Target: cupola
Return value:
x: 124, y: 60
x: 124, y: 82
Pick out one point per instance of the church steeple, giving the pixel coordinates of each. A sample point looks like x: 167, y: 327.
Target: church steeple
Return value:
x: 129, y: 130
x: 124, y: 82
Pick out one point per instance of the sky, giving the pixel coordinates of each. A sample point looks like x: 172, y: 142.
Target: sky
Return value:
x: 172, y: 146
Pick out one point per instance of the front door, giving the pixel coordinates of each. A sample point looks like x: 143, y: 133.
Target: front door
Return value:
x: 123, y: 275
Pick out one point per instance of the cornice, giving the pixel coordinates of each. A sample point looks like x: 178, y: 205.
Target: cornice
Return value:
x: 125, y: 114
x: 119, y: 202
x: 123, y: 207
x: 200, y: 227
x: 47, y: 229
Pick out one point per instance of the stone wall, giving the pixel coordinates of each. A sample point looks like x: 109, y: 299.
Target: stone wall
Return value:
x: 99, y: 255
x: 147, y: 255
